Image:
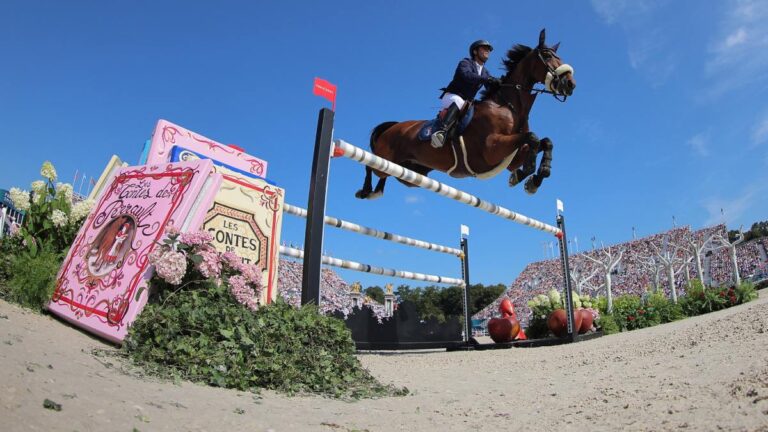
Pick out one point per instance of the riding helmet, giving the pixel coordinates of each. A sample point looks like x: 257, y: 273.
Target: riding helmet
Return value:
x: 479, y: 43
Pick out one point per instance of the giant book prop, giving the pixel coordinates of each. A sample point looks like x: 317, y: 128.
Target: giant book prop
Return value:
x: 102, y: 285
x: 168, y: 136
x: 106, y: 176
x: 245, y: 218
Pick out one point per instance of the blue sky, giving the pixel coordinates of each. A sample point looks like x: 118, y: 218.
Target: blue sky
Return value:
x: 669, y: 117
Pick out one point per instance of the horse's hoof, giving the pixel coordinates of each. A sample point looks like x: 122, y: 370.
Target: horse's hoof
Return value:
x: 513, y: 180
x: 544, y: 171
x: 375, y: 195
x: 530, y: 187
x: 361, y: 194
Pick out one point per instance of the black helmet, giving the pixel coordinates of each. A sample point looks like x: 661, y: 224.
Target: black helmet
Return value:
x: 477, y: 44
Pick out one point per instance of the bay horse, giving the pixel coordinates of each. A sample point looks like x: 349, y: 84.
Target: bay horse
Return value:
x: 498, y: 136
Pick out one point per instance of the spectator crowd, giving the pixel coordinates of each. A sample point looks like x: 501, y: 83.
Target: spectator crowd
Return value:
x: 638, y: 266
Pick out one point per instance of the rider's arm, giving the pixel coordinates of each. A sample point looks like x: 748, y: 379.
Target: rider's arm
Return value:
x: 467, y: 73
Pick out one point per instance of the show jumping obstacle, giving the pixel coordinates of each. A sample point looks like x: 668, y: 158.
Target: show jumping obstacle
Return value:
x: 313, y: 240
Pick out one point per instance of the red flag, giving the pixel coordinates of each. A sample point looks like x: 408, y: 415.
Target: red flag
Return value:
x: 325, y: 89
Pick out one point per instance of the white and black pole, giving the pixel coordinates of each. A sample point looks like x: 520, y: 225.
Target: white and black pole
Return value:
x: 318, y: 187
x: 572, y: 332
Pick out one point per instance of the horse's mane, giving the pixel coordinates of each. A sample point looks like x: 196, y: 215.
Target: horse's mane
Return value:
x: 514, y: 56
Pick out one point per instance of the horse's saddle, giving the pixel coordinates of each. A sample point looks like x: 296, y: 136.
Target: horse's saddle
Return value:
x: 428, y: 128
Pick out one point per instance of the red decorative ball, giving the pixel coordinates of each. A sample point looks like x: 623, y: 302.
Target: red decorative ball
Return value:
x: 586, y: 320
x: 558, y: 322
x: 503, y: 329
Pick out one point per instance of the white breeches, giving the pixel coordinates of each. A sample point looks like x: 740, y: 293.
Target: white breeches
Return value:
x: 449, y: 99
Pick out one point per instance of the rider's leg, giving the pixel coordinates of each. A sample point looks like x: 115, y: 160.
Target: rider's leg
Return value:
x: 451, y: 116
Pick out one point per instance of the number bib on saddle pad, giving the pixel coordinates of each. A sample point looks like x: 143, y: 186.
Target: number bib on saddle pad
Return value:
x: 428, y: 128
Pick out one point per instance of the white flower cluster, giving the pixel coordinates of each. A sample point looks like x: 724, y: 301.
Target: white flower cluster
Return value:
x: 20, y: 199
x: 48, y: 171
x: 65, y: 190
x: 80, y: 210
x: 38, y: 186
x: 554, y: 300
x: 59, y: 218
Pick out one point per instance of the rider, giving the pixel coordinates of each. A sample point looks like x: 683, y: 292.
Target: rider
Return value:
x: 470, y: 75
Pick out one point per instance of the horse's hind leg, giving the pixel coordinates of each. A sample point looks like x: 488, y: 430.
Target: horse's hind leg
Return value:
x: 379, y: 190
x: 367, y: 185
x: 545, y: 167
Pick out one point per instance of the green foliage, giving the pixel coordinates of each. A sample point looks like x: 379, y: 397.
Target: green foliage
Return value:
x: 9, y: 248
x: 441, y: 303
x: 660, y: 309
x: 376, y: 293
x: 537, y: 327
x: 629, y: 312
x: 700, y: 300
x: 481, y: 295
x: 745, y: 292
x: 607, y: 323
x: 758, y: 229
x: 33, y: 278
x: 199, y: 332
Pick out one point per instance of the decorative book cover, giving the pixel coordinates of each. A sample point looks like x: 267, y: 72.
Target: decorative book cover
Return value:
x: 102, y: 285
x: 181, y: 154
x: 144, y: 152
x: 168, y: 135
x: 106, y: 176
x: 246, y: 218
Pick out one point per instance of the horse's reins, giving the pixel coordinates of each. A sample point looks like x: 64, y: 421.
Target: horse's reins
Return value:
x: 552, y: 71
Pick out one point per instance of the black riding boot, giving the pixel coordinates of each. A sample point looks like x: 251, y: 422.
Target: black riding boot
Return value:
x: 449, y: 120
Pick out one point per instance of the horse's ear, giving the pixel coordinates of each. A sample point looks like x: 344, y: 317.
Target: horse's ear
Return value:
x: 555, y: 47
x: 542, y: 36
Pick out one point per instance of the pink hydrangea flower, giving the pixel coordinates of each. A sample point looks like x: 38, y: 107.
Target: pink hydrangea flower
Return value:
x: 243, y: 293
x: 196, y: 238
x: 210, y: 266
x: 232, y: 260
x: 171, y: 266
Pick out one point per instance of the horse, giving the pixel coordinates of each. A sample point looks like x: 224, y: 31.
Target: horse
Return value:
x: 498, y: 135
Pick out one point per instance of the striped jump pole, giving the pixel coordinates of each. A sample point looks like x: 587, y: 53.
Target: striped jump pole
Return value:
x: 367, y: 268
x: 384, y: 235
x: 346, y: 149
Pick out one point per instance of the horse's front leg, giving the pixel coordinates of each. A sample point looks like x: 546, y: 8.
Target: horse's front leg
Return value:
x: 529, y: 164
x: 545, y: 167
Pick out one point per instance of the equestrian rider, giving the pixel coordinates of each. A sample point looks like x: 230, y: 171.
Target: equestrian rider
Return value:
x: 470, y: 75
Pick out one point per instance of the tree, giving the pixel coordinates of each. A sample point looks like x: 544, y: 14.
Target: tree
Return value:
x: 669, y: 259
x: 376, y: 293
x: 731, y: 245
x: 607, y: 263
x: 581, y: 277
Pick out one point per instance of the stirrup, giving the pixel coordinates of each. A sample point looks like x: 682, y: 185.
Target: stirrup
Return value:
x: 438, y: 139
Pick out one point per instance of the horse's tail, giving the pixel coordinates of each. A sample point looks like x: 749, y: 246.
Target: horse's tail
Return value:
x: 378, y: 130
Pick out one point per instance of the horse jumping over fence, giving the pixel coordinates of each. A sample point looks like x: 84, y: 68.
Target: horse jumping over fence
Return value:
x: 498, y: 136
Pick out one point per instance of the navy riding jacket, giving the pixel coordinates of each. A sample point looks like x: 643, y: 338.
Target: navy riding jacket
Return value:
x: 466, y: 81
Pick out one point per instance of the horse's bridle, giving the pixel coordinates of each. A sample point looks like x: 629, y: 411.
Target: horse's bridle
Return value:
x: 553, y: 76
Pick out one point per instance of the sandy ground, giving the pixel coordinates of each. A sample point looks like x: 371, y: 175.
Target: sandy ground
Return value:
x: 704, y: 373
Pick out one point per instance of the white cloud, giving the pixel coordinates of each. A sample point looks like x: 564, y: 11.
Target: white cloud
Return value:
x: 612, y: 11
x: 759, y: 133
x: 700, y: 144
x: 739, y: 50
x: 413, y: 199
x: 648, y: 44
x: 733, y: 208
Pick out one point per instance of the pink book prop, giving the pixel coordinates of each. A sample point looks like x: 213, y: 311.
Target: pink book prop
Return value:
x: 167, y: 136
x: 102, y: 285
